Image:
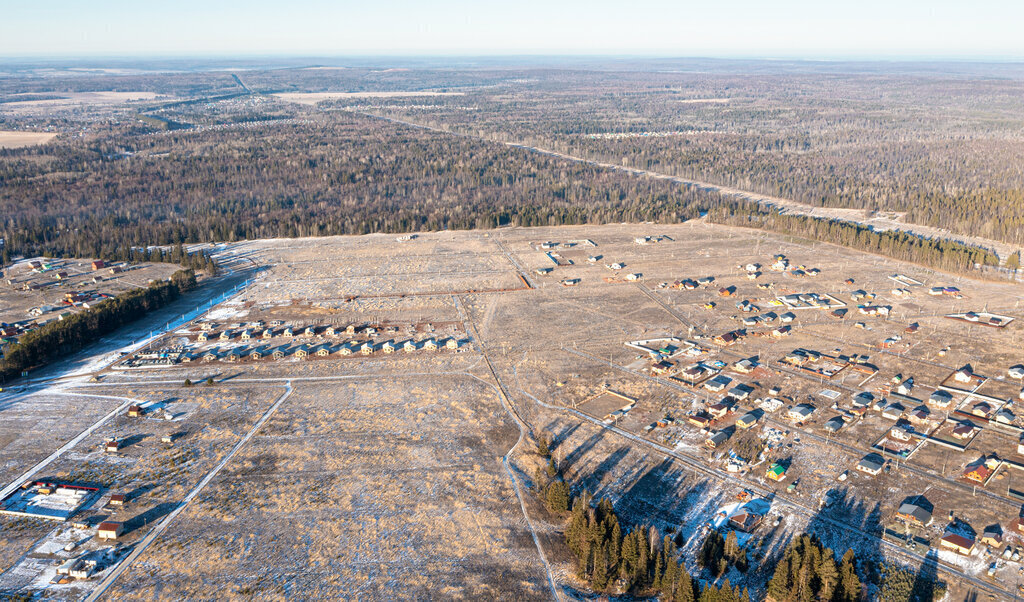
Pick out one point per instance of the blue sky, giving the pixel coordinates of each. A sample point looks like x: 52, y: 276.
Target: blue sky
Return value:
x: 727, y: 28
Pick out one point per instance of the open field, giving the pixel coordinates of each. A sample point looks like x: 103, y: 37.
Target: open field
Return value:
x: 400, y: 472
x: 19, y: 139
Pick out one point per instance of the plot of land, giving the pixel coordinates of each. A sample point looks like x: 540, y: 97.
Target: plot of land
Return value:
x: 19, y: 139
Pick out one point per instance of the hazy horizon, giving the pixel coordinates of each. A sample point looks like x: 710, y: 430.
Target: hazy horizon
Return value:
x: 740, y: 29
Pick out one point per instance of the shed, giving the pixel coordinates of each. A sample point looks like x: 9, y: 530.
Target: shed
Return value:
x: 134, y: 411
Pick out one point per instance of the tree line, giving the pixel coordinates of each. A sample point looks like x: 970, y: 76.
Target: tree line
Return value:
x: 59, y: 338
x: 945, y: 255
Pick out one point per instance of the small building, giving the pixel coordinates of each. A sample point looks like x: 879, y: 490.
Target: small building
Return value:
x: 662, y: 367
x: 430, y: 345
x: 719, y: 410
x: 109, y: 530
x: 345, y: 350
x: 279, y: 354
x: 776, y: 472
x: 699, y: 420
x: 913, y: 513
x: 748, y: 420
x: 111, y: 445
x: 745, y: 521
x: 452, y: 344
x: 871, y: 464
x: 940, y: 399
x: 366, y: 348
x: 744, y: 366
x: 899, y: 433
x: 992, y: 536
x: 964, y: 430
x: 716, y: 439
x: 331, y: 331
x: 62, y: 275
x: 256, y: 355
x: 409, y: 346
x: 246, y: 335
x: 1016, y: 372
x: 302, y: 352
x: 115, y: 270
x: 801, y: 412
x: 310, y: 331
x: 288, y: 333
x: 718, y: 383
x: 832, y: 425
x: 225, y: 336
x: 233, y: 356
x: 98, y: 265
x: 964, y: 375
x: 134, y: 411
x: 894, y: 411
x: 977, y: 473
x: 323, y: 351
x: 117, y: 499
x: 203, y: 336
x: 268, y: 333
x: 958, y: 543
x: 387, y: 347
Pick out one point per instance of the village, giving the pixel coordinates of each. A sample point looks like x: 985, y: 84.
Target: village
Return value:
x: 40, y: 290
x: 702, y: 378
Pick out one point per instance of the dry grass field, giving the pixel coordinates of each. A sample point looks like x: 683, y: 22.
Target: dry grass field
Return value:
x: 10, y: 139
x: 382, y: 476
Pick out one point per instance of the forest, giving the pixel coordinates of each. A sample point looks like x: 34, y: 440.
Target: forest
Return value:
x: 215, y: 156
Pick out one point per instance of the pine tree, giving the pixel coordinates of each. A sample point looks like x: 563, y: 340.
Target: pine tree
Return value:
x: 542, y: 446
x: 850, y: 585
x: 828, y: 575
x: 1013, y: 261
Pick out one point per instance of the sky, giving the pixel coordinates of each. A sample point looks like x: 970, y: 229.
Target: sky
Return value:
x: 710, y: 28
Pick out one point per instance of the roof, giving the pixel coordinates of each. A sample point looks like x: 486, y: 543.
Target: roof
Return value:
x: 915, y: 511
x: 871, y: 462
x: 109, y: 526
x: 958, y: 540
